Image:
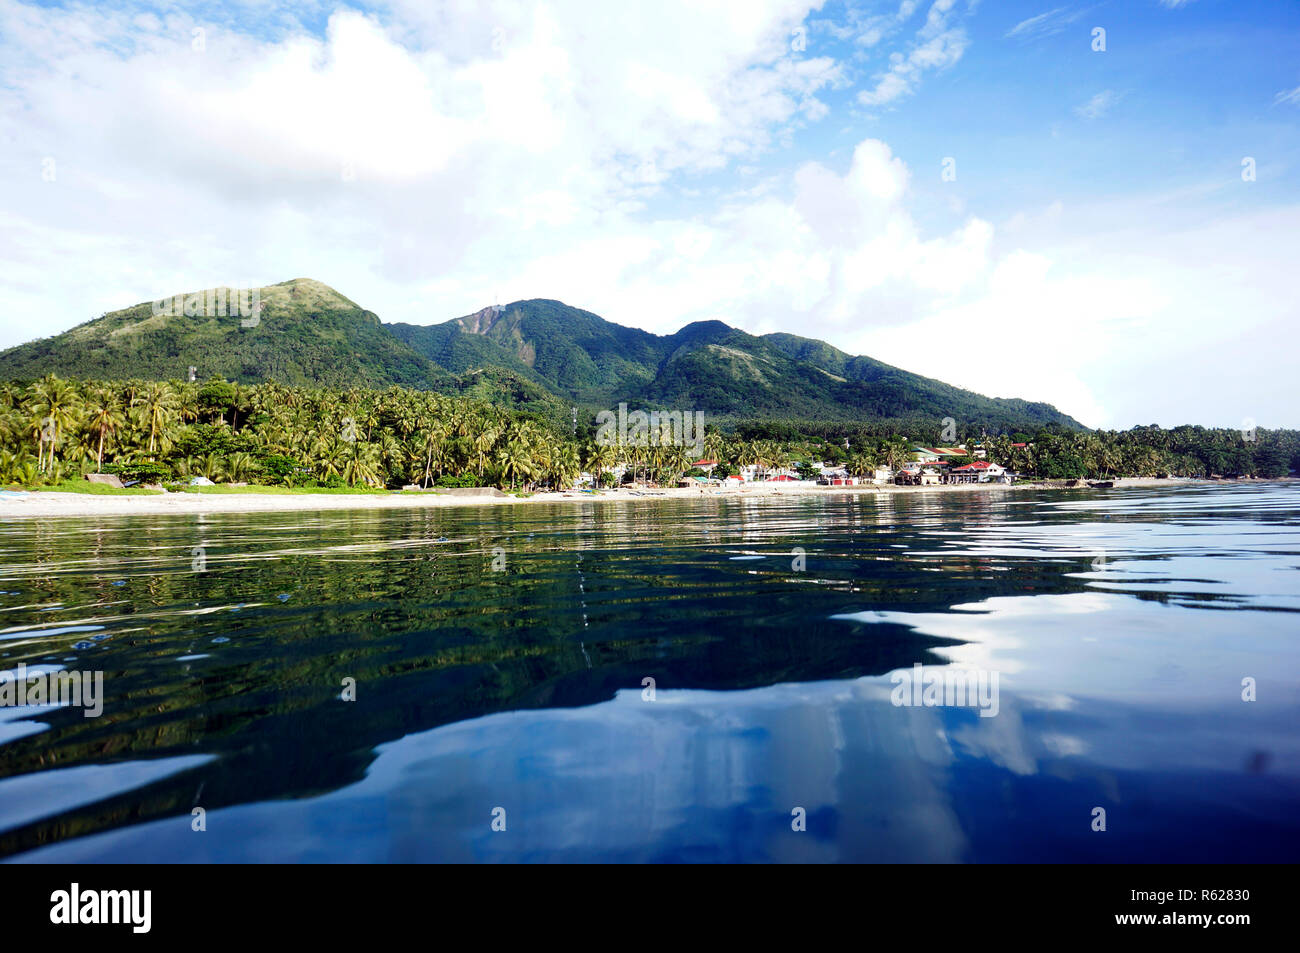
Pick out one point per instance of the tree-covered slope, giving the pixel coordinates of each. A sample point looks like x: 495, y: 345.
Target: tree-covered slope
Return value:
x: 892, y: 391
x: 706, y: 366
x: 539, y: 354
x: 304, y: 333
x: 579, y: 355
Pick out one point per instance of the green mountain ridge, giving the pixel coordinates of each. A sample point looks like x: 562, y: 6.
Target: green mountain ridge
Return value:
x: 304, y: 333
x: 538, y: 354
x: 708, y: 366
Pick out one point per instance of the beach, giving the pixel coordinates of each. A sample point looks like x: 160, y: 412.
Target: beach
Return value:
x: 42, y: 505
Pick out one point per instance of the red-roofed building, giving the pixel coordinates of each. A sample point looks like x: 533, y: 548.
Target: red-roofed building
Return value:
x: 981, y: 471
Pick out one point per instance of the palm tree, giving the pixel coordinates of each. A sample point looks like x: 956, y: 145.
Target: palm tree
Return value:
x: 895, y: 452
x: 598, y: 459
x: 861, y: 463
x: 105, y: 410
x: 212, y: 466
x: 328, y: 455
x: 362, y: 464
x: 676, y: 462
x: 713, y: 444
x: 565, y: 467
x: 483, y: 442
x: 514, y: 461
x: 54, y: 402
x: 187, y: 400
x: 158, y: 408
x: 432, y: 444
x: 240, y: 467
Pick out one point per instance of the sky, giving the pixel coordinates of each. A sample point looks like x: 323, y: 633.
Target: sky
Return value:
x: 1092, y: 204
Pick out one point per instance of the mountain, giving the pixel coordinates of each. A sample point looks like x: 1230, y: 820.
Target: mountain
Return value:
x: 706, y: 366
x: 893, y: 385
x: 304, y: 333
x: 573, y: 352
x: 541, y: 355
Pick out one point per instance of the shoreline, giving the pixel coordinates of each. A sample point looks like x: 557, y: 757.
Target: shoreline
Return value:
x: 42, y: 504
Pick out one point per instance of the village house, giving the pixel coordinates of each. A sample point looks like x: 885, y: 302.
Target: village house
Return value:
x: 981, y: 471
x: 837, y: 477
x: 917, y: 475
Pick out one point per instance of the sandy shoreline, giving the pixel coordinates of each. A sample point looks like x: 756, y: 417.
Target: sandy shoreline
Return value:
x: 44, y: 505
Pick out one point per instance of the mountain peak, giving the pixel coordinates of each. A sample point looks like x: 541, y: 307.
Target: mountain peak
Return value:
x: 696, y: 328
x: 301, y: 332
x: 481, y: 321
x: 306, y: 293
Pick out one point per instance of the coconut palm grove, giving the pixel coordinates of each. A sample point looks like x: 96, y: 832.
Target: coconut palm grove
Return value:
x: 54, y: 431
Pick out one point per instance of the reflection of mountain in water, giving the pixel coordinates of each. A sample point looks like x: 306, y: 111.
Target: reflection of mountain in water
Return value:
x: 407, y: 604
x: 592, y: 601
x: 307, y: 749
x: 715, y: 776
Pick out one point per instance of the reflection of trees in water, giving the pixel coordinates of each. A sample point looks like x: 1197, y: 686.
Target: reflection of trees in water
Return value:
x: 592, y: 601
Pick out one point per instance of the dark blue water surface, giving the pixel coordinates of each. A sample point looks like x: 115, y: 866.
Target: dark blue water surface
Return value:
x: 500, y: 657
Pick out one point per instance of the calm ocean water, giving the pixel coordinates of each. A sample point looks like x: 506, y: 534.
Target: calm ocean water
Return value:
x: 500, y: 658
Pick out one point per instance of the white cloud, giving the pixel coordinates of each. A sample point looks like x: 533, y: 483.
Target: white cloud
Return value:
x: 870, y: 29
x: 407, y: 143
x: 1048, y: 23
x: 1291, y: 96
x: 566, y: 151
x: 938, y: 45
x: 1098, y: 105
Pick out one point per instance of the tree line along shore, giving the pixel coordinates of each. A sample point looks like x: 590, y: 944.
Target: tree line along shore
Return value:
x: 54, y: 431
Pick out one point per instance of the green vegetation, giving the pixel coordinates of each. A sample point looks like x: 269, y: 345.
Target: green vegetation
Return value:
x: 54, y: 431
x: 572, y: 352
x: 729, y: 375
x: 306, y: 333
x: 539, y: 356
x: 318, y: 394
x: 273, y: 489
x: 78, y: 485
x: 1149, y: 451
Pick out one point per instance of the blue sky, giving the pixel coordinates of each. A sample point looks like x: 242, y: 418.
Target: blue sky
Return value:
x: 775, y: 164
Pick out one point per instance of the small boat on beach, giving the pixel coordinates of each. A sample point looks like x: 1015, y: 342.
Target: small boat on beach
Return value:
x: 1101, y: 484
